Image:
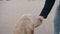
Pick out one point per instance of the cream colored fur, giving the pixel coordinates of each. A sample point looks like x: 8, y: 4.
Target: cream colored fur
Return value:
x: 26, y: 24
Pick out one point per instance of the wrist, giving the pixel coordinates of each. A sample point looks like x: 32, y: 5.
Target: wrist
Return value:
x: 41, y: 17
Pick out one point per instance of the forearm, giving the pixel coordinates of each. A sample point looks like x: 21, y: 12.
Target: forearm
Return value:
x: 47, y: 8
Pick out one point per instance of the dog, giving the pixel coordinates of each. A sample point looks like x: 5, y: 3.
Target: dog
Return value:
x: 26, y: 24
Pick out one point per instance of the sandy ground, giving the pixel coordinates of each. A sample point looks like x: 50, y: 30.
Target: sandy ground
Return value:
x: 11, y: 10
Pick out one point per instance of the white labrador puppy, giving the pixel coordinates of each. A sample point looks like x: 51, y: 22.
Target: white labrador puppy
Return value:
x: 27, y: 23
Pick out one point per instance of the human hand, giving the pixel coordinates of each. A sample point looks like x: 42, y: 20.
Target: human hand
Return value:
x: 39, y: 20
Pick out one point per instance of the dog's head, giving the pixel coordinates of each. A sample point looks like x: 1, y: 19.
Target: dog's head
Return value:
x: 27, y: 23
